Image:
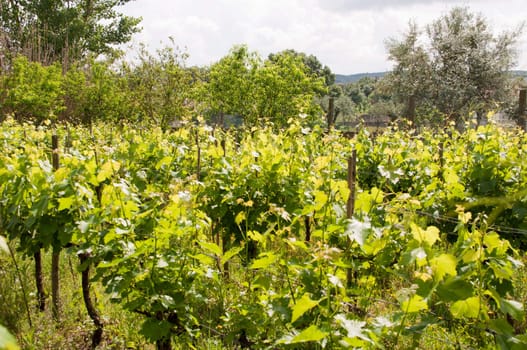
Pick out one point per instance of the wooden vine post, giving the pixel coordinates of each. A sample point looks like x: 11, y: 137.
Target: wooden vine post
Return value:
x: 198, y: 165
x: 55, y: 257
x: 410, y: 110
x: 441, y: 159
x: 331, y: 113
x: 352, y: 175
x: 350, y: 208
x: 522, y: 109
x: 224, y: 147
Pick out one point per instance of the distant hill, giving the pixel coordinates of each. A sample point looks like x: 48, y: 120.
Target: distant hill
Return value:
x: 520, y: 73
x: 347, y: 79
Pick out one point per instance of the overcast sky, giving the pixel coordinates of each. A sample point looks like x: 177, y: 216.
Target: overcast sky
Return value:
x: 347, y: 35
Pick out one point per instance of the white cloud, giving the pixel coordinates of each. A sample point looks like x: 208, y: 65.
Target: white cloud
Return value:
x: 354, y: 5
x: 346, y: 35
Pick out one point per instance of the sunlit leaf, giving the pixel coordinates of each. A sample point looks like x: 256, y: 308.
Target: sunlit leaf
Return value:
x: 466, y: 308
x: 354, y: 328
x: 312, y: 333
x: 107, y: 170
x: 211, y: 247
x: 358, y: 231
x: 444, y: 264
x: 66, y: 203
x: 492, y: 241
x: 321, y: 199
x: 230, y: 254
x: 428, y: 236
x: 264, y: 262
x: 414, y: 304
x: 163, y: 162
x: 240, y: 217
x: 302, y: 306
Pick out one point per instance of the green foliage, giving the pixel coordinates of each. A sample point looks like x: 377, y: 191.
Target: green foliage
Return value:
x: 464, y: 69
x: 95, y: 92
x: 32, y: 91
x: 213, y: 237
x: 160, y: 87
x: 229, y: 86
x: 63, y: 32
x: 284, y: 89
x: 311, y: 62
x: 274, y: 90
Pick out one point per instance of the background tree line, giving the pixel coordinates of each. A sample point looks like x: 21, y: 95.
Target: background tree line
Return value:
x: 59, y: 61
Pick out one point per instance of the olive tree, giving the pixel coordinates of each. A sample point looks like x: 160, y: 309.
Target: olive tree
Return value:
x: 456, y: 66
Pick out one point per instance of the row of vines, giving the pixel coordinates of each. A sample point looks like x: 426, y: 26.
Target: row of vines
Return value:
x: 243, y: 238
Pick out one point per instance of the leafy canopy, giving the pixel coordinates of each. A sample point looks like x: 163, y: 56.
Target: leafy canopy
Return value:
x: 48, y: 31
x: 463, y: 67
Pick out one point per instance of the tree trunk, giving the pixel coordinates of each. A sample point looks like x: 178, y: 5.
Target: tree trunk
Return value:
x: 163, y: 344
x: 55, y: 295
x: 90, y: 308
x: 307, y: 223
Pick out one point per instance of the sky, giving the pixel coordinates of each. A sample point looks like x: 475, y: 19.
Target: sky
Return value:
x: 349, y: 36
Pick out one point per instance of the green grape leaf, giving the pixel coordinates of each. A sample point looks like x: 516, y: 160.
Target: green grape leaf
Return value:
x: 163, y: 162
x: 206, y: 260
x: 211, y: 247
x: 513, y: 308
x: 107, y: 170
x: 66, y: 202
x: 414, y: 304
x: 240, y: 217
x: 321, y: 199
x: 354, y: 328
x: 466, y: 308
x: 501, y: 326
x: 230, y: 254
x: 265, y: 261
x: 428, y: 236
x: 444, y: 264
x: 303, y: 305
x: 455, y: 288
x: 154, y: 329
x: 312, y: 333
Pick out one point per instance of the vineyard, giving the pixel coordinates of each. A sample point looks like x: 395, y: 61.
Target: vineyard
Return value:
x: 225, y: 239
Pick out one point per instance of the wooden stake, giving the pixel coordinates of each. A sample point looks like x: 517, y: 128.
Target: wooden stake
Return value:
x: 331, y: 113
x: 352, y: 171
x: 55, y: 258
x: 198, y: 170
x: 522, y: 106
x: 224, y: 147
x: 352, y: 174
x: 410, y: 112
